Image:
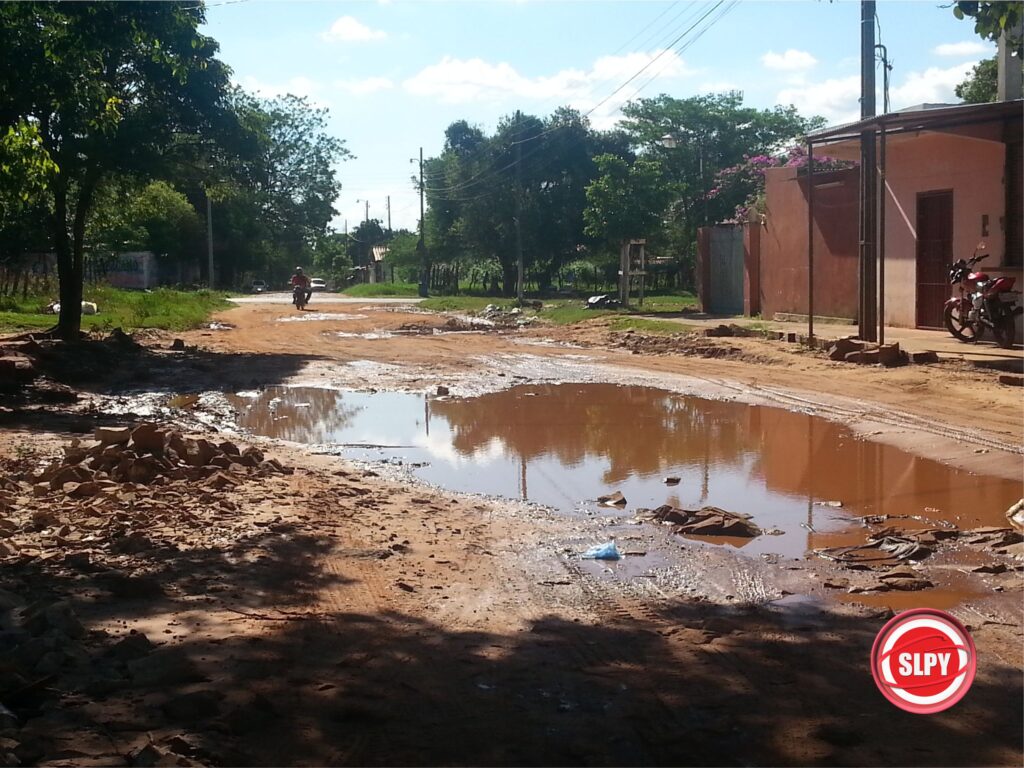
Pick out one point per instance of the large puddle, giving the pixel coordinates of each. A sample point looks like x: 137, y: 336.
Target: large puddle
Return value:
x: 564, y: 445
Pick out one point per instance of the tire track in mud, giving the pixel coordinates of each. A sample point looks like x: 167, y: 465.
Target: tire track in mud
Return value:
x: 865, y: 412
x: 677, y: 716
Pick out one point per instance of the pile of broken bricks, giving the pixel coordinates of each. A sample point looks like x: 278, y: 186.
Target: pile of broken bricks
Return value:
x: 852, y: 350
x: 95, y: 498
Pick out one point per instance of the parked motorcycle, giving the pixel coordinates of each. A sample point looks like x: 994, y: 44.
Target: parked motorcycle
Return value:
x: 299, y: 295
x: 982, y: 303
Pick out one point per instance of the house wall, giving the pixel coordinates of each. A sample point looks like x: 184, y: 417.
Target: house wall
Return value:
x: 783, y: 241
x: 973, y: 170
x: 134, y: 269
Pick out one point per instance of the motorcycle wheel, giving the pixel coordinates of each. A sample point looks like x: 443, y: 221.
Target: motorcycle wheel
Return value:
x: 957, y: 325
x: 1005, y: 331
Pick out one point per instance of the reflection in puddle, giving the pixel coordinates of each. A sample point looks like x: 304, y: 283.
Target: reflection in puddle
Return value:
x: 564, y: 445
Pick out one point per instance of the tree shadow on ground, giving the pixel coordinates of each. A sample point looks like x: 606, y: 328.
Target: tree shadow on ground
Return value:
x: 117, y: 365
x: 688, y: 683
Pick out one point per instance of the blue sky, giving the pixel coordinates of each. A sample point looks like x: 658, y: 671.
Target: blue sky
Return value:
x: 395, y: 73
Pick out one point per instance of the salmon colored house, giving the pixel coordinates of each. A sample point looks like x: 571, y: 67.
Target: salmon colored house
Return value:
x: 953, y: 179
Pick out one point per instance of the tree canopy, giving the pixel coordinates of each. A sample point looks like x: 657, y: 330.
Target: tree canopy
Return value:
x: 980, y: 86
x: 108, y: 85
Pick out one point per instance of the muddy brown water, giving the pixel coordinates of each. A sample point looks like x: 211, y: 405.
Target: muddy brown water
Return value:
x: 564, y: 445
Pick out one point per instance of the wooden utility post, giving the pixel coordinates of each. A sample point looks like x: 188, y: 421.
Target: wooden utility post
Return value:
x: 519, y: 214
x: 209, y: 236
x: 421, y: 245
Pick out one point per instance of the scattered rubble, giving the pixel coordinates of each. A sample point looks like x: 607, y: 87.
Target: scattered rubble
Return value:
x: 615, y: 499
x: 852, y: 350
x: 679, y: 344
x: 707, y: 521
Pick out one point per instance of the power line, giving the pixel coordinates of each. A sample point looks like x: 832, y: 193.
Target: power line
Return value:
x: 688, y: 7
x: 491, y: 174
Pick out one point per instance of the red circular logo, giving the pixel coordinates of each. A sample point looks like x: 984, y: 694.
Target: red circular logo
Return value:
x: 923, y: 661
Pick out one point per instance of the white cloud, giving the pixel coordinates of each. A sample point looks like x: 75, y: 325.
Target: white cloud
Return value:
x: 457, y: 81
x: 790, y: 61
x: 933, y: 85
x: 365, y: 86
x: 350, y: 30
x: 837, y: 100
x: 969, y: 48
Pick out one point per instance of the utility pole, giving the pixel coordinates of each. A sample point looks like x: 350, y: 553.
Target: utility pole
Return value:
x: 519, y: 214
x: 209, y: 236
x: 868, y: 179
x: 389, y: 216
x: 421, y: 245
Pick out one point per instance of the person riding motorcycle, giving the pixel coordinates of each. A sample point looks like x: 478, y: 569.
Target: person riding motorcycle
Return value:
x: 299, y: 278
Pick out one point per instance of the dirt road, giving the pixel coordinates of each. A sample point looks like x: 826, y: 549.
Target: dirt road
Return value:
x: 342, y: 615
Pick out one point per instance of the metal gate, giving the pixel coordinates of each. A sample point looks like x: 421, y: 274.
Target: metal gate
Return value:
x: 726, y: 270
x: 934, y: 255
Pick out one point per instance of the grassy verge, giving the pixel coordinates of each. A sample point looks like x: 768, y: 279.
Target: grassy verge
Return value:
x: 370, y: 290
x: 463, y: 303
x: 648, y: 326
x: 161, y: 308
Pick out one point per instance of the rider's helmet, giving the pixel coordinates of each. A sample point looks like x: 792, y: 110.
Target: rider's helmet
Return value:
x: 298, y: 270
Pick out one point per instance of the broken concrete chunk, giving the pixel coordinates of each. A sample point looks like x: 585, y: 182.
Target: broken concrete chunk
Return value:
x: 707, y: 521
x: 112, y: 435
x: 615, y: 499
x: 890, y: 355
x: 149, y: 438
x: 840, y: 348
x: 1015, y: 514
x: 671, y: 480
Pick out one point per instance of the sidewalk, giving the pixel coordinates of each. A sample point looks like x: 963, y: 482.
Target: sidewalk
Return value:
x: 984, y: 353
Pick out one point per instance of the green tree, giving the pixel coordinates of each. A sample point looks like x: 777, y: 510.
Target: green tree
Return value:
x: 109, y: 85
x: 274, y: 192
x: 696, y: 138
x: 25, y: 171
x: 980, y: 86
x: 154, y: 217
x: 992, y: 19
x: 626, y: 200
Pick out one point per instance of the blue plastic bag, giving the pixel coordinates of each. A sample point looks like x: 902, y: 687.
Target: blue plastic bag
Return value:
x: 603, y: 552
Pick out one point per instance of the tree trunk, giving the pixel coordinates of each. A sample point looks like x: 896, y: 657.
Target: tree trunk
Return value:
x: 70, y: 271
x: 70, y: 321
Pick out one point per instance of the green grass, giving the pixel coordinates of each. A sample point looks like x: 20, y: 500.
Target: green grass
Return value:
x: 368, y: 290
x: 462, y: 303
x: 668, y: 302
x: 161, y: 308
x: 648, y: 326
x: 567, y: 314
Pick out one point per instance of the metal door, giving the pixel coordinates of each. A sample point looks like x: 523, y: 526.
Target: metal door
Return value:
x: 726, y: 267
x: 934, y: 255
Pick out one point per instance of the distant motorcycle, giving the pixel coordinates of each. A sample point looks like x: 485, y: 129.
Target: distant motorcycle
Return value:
x: 982, y: 303
x: 299, y: 295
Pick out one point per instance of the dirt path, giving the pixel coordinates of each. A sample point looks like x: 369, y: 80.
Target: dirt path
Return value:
x: 337, y: 616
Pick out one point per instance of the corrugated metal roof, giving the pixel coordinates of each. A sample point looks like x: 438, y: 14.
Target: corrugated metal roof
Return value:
x: 933, y: 117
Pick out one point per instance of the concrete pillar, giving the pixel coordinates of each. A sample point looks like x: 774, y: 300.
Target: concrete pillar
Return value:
x: 752, y: 268
x: 1009, y: 71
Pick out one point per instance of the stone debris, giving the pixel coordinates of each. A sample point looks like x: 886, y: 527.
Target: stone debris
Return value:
x: 677, y: 344
x: 615, y: 499
x: 1015, y: 514
x: 105, y: 513
x: 707, y: 521
x: 852, y: 350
